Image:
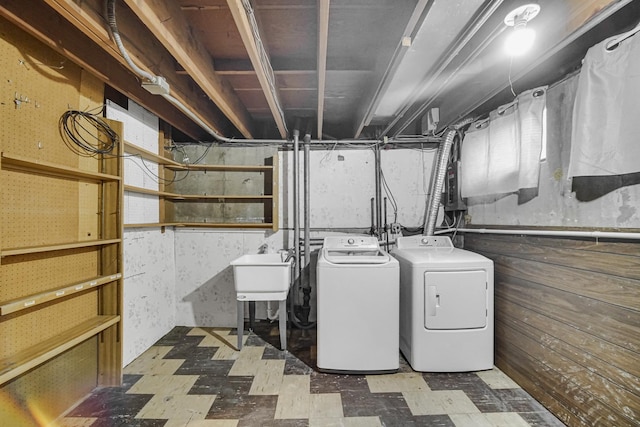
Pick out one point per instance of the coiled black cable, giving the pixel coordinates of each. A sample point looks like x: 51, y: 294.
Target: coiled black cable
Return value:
x: 87, y: 134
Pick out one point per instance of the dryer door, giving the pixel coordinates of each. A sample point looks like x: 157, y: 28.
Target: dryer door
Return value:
x: 455, y: 299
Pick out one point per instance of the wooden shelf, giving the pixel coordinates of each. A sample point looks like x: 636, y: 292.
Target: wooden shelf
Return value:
x: 259, y: 225
x: 149, y: 225
x: 148, y: 155
x: 220, y: 198
x: 59, y: 247
x: 29, y: 301
x: 19, y: 363
x: 140, y: 190
x: 222, y: 168
x: 15, y: 162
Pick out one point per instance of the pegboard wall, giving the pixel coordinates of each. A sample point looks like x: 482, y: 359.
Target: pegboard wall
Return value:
x: 46, y: 271
x: 44, y: 217
x: 44, y: 394
x: 37, y: 87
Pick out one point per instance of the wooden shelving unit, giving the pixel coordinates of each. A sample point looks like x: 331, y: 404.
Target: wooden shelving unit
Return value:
x: 269, y: 199
x: 87, y: 308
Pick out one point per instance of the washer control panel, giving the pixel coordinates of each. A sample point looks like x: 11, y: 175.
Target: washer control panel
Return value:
x: 424, y: 242
x: 351, y: 242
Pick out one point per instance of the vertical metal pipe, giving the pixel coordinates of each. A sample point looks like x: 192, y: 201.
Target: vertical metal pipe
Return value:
x: 378, y: 191
x: 296, y: 220
x: 306, y: 308
x: 307, y: 202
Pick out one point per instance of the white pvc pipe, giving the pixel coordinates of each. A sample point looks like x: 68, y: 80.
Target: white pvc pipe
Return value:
x: 558, y: 233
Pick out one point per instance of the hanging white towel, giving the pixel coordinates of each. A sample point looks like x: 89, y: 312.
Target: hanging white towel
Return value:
x: 474, y: 160
x: 531, y: 110
x: 606, y: 126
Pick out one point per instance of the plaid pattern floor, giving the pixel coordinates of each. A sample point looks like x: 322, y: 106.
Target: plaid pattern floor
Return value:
x: 194, y: 377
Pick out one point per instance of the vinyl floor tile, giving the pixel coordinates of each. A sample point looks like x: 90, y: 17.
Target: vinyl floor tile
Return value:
x: 257, y: 408
x: 439, y: 402
x: 506, y: 419
x: 395, y: 383
x: 332, y: 383
x: 110, y: 402
x: 496, y: 379
x: 201, y: 423
x: 345, y: 422
x: 364, y: 404
x: 268, y: 377
x: 180, y: 407
x: 152, y: 361
x: 164, y: 384
x: 222, y: 385
x: 195, y: 377
x: 326, y: 405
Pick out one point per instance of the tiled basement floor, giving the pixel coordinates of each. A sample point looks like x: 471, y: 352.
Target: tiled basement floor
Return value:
x: 194, y: 377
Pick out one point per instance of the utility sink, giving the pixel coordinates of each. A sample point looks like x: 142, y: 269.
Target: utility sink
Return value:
x: 266, y: 274
x: 262, y: 277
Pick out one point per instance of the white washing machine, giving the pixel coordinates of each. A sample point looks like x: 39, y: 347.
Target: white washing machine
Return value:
x: 357, y: 306
x: 446, y: 305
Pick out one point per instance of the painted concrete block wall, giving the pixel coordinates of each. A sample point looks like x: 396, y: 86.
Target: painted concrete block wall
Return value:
x: 204, y: 292
x: 556, y: 204
x: 149, y: 289
x: 342, y: 185
x: 149, y: 259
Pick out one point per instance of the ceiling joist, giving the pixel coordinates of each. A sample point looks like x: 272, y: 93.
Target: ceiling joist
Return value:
x: 168, y: 24
x: 256, y: 54
x: 323, y: 37
x: 87, y: 17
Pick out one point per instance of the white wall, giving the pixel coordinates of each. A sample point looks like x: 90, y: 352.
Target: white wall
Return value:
x: 342, y: 185
x: 204, y: 292
x: 149, y: 260
x: 183, y: 276
x: 149, y: 289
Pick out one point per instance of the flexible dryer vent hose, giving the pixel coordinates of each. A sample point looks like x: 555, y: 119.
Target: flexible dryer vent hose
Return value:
x: 441, y: 168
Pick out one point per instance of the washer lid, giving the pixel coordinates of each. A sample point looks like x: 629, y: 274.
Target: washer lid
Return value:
x: 355, y: 256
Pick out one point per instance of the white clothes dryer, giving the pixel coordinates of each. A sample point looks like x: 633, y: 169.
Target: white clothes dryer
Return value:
x: 357, y: 306
x: 446, y: 305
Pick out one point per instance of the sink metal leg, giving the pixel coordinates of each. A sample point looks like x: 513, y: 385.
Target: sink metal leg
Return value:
x: 240, y: 306
x: 252, y: 315
x: 282, y: 323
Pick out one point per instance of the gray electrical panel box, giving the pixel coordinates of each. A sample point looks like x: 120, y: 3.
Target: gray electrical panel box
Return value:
x: 452, y: 199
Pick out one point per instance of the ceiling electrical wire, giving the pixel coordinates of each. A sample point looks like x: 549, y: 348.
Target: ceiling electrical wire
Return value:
x: 87, y: 134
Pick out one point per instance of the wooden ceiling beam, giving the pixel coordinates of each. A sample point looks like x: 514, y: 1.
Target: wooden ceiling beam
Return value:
x: 87, y: 17
x: 323, y: 37
x: 168, y: 24
x: 59, y: 34
x: 246, y: 29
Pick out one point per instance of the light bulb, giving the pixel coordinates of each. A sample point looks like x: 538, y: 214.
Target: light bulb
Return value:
x: 520, y: 40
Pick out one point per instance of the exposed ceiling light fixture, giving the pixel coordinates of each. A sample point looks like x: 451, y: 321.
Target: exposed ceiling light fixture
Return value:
x: 521, y: 38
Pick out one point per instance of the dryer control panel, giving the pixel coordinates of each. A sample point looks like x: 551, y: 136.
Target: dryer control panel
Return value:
x: 424, y: 242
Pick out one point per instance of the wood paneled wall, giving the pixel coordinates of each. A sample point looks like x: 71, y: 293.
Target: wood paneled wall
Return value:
x: 567, y: 317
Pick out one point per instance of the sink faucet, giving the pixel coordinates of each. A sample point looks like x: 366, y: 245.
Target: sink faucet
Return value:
x: 287, y: 254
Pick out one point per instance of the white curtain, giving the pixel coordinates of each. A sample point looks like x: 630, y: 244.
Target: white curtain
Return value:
x: 502, y: 154
x: 606, y: 117
x: 474, y: 160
